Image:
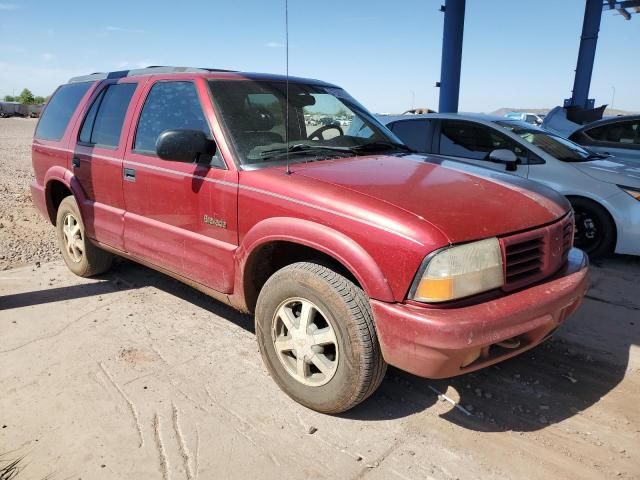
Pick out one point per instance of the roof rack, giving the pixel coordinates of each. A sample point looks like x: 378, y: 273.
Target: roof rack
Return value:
x: 151, y: 70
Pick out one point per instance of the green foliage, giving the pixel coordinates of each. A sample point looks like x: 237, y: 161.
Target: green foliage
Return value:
x: 38, y: 100
x: 26, y: 97
x: 9, y: 98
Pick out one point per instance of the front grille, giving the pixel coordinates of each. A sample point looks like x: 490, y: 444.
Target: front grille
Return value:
x: 536, y: 254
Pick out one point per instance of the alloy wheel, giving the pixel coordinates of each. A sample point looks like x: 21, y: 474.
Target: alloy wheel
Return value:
x: 74, y: 242
x: 305, y: 342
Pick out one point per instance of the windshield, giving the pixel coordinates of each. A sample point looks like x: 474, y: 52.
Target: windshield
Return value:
x: 324, y: 122
x: 556, y: 146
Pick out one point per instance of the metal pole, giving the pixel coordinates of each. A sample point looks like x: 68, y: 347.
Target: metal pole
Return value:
x: 586, y: 54
x: 451, y: 55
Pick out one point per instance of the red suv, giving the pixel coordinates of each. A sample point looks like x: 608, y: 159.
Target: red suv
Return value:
x: 351, y: 251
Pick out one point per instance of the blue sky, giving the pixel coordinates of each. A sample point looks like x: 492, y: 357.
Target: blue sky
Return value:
x: 385, y: 53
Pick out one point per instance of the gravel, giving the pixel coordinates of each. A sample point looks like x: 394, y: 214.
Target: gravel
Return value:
x: 25, y: 236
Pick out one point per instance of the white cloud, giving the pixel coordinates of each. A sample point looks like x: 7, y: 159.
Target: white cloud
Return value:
x: 9, y: 6
x: 112, y: 28
x: 274, y: 45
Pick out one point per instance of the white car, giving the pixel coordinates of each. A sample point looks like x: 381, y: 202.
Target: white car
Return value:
x: 604, y: 190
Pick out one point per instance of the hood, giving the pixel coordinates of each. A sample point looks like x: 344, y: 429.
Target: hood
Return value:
x: 464, y: 201
x: 557, y: 122
x: 612, y: 170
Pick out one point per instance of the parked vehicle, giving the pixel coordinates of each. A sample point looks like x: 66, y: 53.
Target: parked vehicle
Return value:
x: 532, y: 118
x: 13, y: 109
x: 603, y: 191
x: 351, y: 252
x: 618, y: 136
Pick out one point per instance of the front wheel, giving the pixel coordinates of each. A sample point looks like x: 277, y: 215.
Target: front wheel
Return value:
x: 317, y: 338
x: 81, y: 256
x: 595, y: 230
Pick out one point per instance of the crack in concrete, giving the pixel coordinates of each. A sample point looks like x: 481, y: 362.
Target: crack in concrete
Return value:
x: 130, y: 404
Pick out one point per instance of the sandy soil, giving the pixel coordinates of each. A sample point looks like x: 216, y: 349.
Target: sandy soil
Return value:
x: 25, y: 237
x: 134, y: 375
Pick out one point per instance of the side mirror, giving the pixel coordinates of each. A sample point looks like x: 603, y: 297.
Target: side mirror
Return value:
x: 502, y: 155
x: 184, y: 145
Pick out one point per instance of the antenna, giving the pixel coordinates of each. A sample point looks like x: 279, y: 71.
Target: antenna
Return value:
x: 286, y: 41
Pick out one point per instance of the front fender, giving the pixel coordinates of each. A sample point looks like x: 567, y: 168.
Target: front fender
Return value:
x: 322, y: 238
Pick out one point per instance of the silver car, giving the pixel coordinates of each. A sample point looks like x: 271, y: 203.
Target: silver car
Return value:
x: 604, y: 190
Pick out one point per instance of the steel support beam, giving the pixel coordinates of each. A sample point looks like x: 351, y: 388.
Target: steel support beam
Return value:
x: 452, y: 55
x: 586, y: 55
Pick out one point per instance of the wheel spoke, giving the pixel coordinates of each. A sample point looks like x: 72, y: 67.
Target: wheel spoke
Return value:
x: 284, y: 344
x: 306, y: 316
x: 75, y: 231
x: 321, y: 361
x: 288, y: 318
x: 324, y: 336
x: 301, y: 366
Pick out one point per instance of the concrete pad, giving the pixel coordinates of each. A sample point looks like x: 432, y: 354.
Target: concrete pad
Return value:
x: 134, y: 375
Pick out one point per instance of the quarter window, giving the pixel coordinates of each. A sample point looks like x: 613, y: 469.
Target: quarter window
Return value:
x: 103, y: 123
x: 59, y: 110
x: 169, y: 105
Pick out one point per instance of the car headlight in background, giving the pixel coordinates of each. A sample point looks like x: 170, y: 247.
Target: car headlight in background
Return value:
x: 460, y: 271
x: 634, y: 192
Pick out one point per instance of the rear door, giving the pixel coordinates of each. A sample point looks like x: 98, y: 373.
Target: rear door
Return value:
x: 180, y: 217
x: 621, y: 139
x: 99, y: 141
x: 473, y: 142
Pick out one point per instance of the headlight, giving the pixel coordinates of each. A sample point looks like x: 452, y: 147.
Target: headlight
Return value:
x: 460, y: 271
x: 634, y: 192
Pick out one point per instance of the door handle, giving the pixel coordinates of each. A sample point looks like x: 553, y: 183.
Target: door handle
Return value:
x: 75, y: 161
x: 130, y: 174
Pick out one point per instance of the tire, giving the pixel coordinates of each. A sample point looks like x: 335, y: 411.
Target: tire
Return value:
x: 595, y: 230
x: 83, y: 258
x: 353, y: 364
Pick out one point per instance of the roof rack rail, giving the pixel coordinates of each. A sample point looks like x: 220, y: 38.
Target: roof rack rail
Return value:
x: 154, y: 69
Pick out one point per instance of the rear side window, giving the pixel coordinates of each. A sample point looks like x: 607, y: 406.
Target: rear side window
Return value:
x: 169, y: 105
x: 103, y: 123
x: 59, y: 110
x: 620, y: 132
x: 413, y: 133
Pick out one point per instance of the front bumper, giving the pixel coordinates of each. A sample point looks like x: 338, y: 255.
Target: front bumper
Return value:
x: 440, y: 342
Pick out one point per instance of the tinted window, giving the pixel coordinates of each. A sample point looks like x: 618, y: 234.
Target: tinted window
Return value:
x: 113, y: 107
x: 621, y: 132
x: 414, y: 134
x: 169, y: 105
x: 59, y: 110
x: 89, y: 119
x: 475, y: 141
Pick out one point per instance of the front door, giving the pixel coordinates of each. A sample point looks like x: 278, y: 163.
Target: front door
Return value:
x: 181, y: 217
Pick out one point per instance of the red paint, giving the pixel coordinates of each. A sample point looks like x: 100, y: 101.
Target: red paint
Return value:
x: 379, y: 216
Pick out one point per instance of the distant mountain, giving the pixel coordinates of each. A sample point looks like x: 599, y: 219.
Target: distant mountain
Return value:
x: 503, y: 111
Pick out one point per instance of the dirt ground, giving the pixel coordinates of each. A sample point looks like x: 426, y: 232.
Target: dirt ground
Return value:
x: 135, y: 376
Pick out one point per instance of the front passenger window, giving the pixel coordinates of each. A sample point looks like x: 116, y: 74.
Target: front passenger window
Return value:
x: 169, y: 105
x: 475, y: 141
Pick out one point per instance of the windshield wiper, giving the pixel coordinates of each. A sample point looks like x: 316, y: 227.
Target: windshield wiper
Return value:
x: 382, y: 146
x: 304, y: 149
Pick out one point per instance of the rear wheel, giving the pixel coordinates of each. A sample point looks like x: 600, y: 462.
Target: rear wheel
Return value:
x: 81, y: 256
x: 595, y: 230
x: 316, y: 335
